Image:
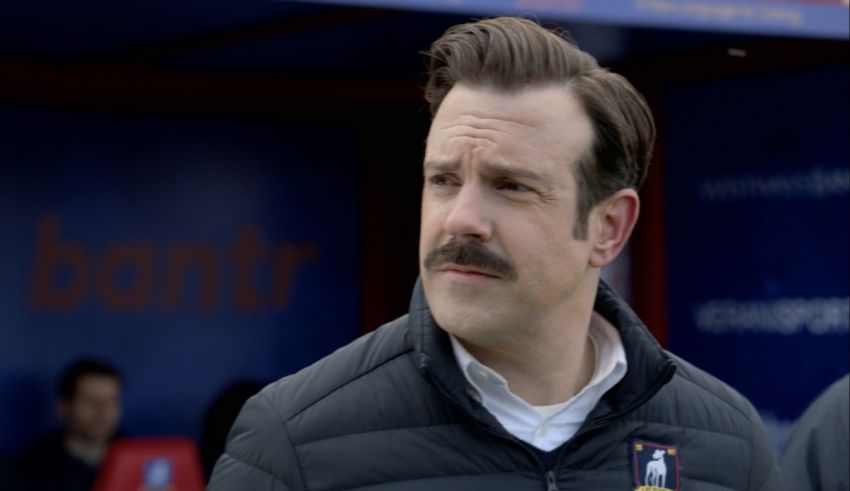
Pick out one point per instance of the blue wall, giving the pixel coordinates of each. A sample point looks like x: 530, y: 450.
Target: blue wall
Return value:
x: 188, y: 252
x: 757, y: 219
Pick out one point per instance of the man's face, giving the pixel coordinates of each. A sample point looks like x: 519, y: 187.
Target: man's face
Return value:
x: 497, y: 253
x: 95, y: 410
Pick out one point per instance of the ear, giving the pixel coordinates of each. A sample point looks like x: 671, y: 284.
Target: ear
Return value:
x: 613, y: 222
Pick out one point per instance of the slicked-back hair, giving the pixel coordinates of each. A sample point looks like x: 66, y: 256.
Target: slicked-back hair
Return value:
x: 70, y: 379
x: 510, y: 54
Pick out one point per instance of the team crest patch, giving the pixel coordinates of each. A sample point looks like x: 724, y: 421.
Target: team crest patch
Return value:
x: 655, y: 467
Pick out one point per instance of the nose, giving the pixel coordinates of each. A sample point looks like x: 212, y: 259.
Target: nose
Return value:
x: 468, y: 217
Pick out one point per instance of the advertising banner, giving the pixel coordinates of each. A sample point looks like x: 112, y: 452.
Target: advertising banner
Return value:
x: 188, y: 253
x: 757, y: 221
x: 798, y: 18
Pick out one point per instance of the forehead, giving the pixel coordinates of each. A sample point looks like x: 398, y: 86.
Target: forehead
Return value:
x: 536, y: 122
x: 97, y: 383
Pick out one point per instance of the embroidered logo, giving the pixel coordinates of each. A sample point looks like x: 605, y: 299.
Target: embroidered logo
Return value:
x: 655, y: 467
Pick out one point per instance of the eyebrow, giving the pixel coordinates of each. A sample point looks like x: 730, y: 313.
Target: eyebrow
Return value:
x: 440, y: 166
x: 491, y: 168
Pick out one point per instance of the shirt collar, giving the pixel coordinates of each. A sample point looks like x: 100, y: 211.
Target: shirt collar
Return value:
x: 610, y: 367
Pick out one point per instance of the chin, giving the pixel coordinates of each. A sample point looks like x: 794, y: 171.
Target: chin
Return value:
x: 460, y: 310
x: 464, y: 321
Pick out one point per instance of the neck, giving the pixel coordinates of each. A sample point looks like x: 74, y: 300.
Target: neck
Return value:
x: 90, y: 452
x: 549, y: 368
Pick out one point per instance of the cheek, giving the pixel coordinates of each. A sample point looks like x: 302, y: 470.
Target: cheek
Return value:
x: 431, y: 224
x: 113, y: 414
x: 84, y: 413
x: 426, y: 239
x: 531, y: 232
x: 543, y: 246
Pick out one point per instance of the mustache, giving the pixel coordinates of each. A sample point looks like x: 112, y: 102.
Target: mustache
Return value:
x: 472, y: 254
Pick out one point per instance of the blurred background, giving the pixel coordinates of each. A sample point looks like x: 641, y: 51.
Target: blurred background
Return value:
x: 215, y: 192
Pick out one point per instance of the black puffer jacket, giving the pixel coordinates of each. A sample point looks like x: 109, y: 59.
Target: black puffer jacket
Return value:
x: 392, y: 411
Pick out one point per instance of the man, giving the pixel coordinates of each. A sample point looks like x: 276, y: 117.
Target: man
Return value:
x: 818, y: 451
x: 516, y: 368
x: 89, y: 406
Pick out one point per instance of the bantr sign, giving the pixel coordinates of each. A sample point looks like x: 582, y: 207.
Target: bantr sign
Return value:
x: 124, y: 277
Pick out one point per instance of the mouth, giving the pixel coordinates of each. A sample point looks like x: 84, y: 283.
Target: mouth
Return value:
x: 466, y: 271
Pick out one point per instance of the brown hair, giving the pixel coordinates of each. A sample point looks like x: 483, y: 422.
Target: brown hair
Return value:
x: 509, y: 54
x: 73, y: 373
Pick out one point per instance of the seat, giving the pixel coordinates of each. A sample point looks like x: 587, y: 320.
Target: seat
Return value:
x: 151, y: 464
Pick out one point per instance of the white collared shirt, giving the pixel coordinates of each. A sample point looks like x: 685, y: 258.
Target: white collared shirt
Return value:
x: 548, y: 427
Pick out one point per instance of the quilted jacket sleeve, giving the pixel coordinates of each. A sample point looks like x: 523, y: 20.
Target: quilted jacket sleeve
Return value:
x: 231, y: 474
x: 819, y: 447
x: 764, y: 473
x: 258, y: 455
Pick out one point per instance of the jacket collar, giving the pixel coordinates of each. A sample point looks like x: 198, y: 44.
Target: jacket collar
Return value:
x: 649, y: 367
x: 436, y: 360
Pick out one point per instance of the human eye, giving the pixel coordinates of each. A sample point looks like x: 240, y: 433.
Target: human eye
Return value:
x: 512, y: 186
x: 440, y: 180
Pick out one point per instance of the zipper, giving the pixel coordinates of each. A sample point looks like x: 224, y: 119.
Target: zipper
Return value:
x: 551, y: 483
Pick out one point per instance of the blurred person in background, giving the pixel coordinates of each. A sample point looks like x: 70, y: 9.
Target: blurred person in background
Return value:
x: 88, y: 405
x: 817, y: 456
x: 516, y: 368
x: 219, y: 417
